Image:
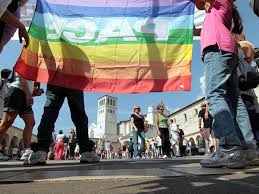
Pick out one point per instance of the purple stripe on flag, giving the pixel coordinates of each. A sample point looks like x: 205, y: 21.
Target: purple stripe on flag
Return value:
x: 118, y: 3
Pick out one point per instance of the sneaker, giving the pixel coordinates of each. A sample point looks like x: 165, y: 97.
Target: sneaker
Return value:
x: 165, y: 156
x: 143, y: 157
x: 136, y: 158
x: 252, y: 157
x: 89, y: 157
x: 37, y: 158
x: 230, y: 158
x: 26, y: 153
x: 3, y: 158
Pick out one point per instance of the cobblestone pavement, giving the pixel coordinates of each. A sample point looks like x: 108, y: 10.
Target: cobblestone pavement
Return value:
x: 181, y: 175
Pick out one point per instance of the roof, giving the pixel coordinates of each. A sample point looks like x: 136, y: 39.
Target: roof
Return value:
x: 107, y: 96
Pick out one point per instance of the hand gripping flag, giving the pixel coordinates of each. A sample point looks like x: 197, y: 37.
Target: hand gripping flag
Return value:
x: 113, y: 46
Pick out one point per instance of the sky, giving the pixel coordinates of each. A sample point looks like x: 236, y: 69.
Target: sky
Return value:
x: 173, y: 100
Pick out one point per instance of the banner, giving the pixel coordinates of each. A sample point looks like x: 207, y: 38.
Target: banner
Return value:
x: 112, y: 46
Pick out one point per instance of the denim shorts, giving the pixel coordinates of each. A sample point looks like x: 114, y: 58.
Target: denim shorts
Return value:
x: 15, y: 102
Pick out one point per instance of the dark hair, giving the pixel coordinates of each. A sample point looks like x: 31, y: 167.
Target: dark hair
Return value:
x: 5, y: 73
x: 60, y: 132
x: 238, y: 24
x: 256, y: 53
x: 131, y: 138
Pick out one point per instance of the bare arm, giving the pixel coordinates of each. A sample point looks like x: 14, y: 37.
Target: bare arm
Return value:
x: 248, y: 51
x: 10, y: 19
x: 26, y: 90
x: 199, y: 122
x: 132, y: 123
x: 196, y: 32
x: 156, y: 124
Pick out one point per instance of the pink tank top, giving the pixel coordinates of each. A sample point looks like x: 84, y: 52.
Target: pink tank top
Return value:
x: 216, y: 28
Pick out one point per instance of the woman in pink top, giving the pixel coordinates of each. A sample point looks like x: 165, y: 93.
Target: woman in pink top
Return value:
x: 220, y: 56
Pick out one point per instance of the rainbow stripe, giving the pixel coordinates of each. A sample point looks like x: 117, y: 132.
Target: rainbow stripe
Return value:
x: 114, y: 46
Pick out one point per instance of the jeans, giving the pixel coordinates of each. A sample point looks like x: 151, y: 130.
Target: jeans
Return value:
x: 140, y: 134
x: 55, y: 99
x: 165, y: 141
x: 231, y: 122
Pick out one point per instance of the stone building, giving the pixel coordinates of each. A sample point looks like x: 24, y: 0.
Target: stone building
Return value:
x: 13, y: 138
x: 106, y: 126
x: 187, y: 119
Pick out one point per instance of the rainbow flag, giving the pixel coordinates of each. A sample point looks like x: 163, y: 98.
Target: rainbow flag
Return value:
x: 113, y: 46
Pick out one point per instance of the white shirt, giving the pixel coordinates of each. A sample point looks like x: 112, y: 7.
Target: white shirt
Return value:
x: 3, y: 6
x: 60, y: 137
x: 159, y: 141
x: 17, y: 83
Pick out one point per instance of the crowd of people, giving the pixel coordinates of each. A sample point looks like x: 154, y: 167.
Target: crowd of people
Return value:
x: 230, y: 73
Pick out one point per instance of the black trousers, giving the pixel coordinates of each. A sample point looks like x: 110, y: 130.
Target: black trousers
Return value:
x: 72, y: 147
x: 55, y: 99
x: 131, y: 153
x: 165, y: 141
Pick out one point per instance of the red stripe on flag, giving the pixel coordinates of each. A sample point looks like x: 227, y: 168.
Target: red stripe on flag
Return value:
x: 119, y: 86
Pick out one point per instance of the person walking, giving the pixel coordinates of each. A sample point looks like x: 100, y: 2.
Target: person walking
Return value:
x: 5, y: 75
x: 72, y: 141
x: 174, y: 138
x: 107, y: 149
x: 59, y: 145
x: 181, y: 137
x: 162, y: 130
x: 55, y: 99
x: 205, y: 117
x: 159, y: 146
x: 19, y: 101
x: 220, y: 56
x: 137, y: 122
x: 130, y: 148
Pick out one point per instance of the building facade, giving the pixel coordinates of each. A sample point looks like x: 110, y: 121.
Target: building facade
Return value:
x: 106, y: 127
x: 13, y: 138
x: 187, y: 119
